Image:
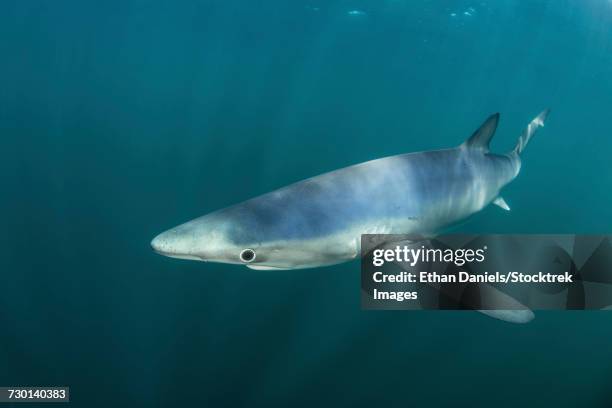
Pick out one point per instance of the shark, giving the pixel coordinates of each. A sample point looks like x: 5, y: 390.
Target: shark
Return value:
x: 319, y: 221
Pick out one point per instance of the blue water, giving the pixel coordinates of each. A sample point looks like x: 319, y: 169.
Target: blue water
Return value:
x: 120, y: 119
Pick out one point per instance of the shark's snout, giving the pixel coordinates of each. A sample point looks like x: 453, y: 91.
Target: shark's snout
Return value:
x: 159, y: 244
x: 173, y: 245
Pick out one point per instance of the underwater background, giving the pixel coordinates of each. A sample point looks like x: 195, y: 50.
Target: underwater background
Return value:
x: 120, y: 119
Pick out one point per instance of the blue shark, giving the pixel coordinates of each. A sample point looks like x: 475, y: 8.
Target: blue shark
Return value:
x: 319, y: 221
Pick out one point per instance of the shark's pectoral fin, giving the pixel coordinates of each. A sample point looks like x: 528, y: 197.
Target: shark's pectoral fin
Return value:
x: 510, y: 316
x: 499, y: 305
x: 500, y: 202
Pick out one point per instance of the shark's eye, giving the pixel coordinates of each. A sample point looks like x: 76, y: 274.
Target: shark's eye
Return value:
x: 247, y: 255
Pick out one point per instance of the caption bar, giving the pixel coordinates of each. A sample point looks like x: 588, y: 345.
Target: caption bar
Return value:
x: 486, y: 272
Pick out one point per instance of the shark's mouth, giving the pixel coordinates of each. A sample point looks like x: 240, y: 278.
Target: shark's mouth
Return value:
x: 266, y: 268
x: 179, y: 256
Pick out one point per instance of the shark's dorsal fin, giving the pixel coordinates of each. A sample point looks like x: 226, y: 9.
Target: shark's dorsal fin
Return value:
x: 481, y: 138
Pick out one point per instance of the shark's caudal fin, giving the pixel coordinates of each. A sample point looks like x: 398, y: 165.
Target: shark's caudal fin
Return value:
x: 531, y: 129
x: 481, y: 138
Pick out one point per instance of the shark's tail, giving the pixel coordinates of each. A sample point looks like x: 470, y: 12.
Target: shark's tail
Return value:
x: 528, y: 133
